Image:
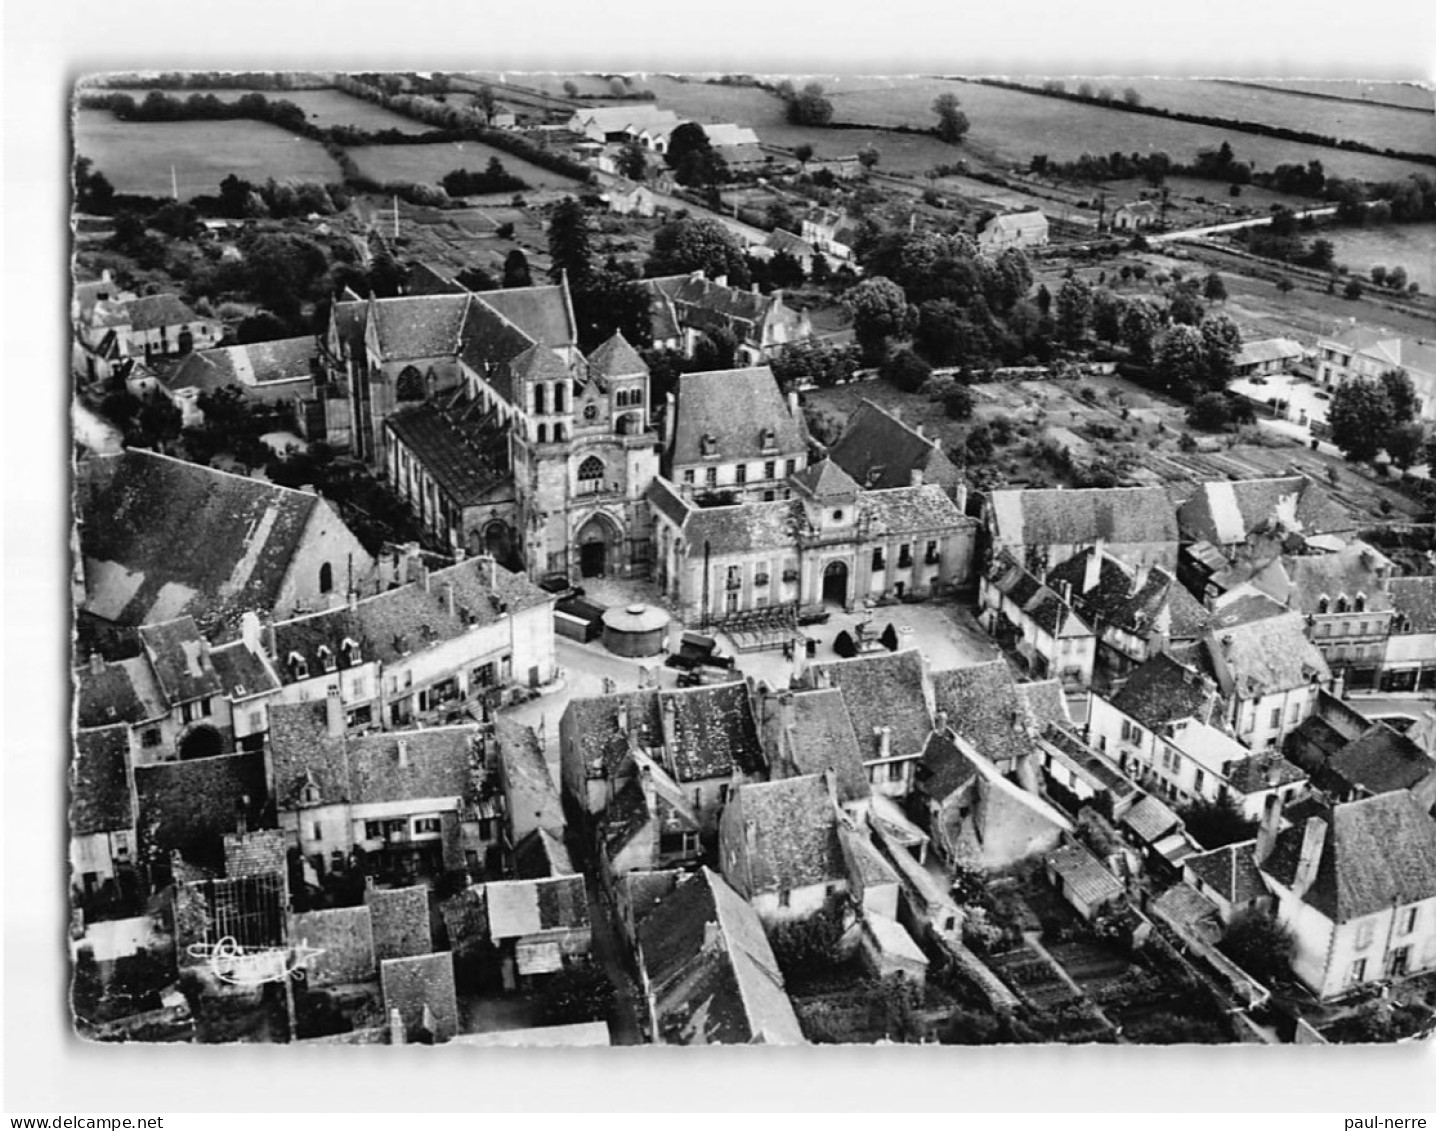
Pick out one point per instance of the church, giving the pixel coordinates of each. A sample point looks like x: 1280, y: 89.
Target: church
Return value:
x: 497, y: 432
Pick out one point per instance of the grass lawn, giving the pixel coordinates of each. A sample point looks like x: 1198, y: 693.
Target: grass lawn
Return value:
x: 1392, y: 93
x: 325, y: 107
x: 137, y: 156
x: 429, y: 164
x: 1412, y: 246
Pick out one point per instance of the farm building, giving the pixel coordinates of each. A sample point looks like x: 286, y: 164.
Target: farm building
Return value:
x: 1016, y: 229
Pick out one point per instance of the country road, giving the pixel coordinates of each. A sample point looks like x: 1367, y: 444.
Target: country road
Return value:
x: 1235, y: 225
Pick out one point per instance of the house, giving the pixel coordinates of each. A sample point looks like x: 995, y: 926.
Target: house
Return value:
x: 1356, y: 886
x: 1362, y: 761
x: 1135, y: 216
x: 887, y: 950
x: 829, y: 231
x: 1197, y: 762
x: 686, y: 307
x: 707, y: 973
x: 1075, y: 775
x: 148, y: 326
x: 1043, y: 528
x: 540, y: 926
x: 1367, y: 352
x: 1082, y: 881
x: 648, y: 825
x: 784, y: 242
x: 889, y: 699
x: 810, y: 732
x: 1035, y: 622
x: 532, y: 802
x: 632, y: 121
x: 1268, y: 671
x: 732, y: 433
x: 1230, y: 515
x: 1230, y: 878
x: 1267, y: 356
x: 420, y: 999
x: 628, y: 198
x: 998, y: 717
x: 779, y: 847
x: 829, y: 543
x: 879, y: 452
x: 1015, y: 229
x: 278, y: 372
x: 103, y: 852
x: 1409, y: 662
x: 161, y: 538
x: 185, y: 809
x: 1161, y: 835
x: 1157, y: 695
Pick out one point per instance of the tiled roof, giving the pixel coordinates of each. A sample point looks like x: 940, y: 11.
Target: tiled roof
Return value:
x: 712, y: 972
x: 466, y: 453
x: 715, y: 732
x: 106, y: 697
x: 541, y: 854
x: 1161, y: 691
x: 646, y: 890
x: 824, y: 479
x: 944, y: 767
x: 744, y: 528
x: 1224, y: 512
x: 538, y: 363
x: 1091, y: 764
x: 150, y: 312
x: 489, y: 342
x: 885, y: 689
x: 1060, y: 517
x: 727, y: 134
x: 822, y: 738
x: 863, y: 863
x: 1084, y: 876
x: 162, y: 537
x: 180, y: 660
x: 1382, y: 760
x: 1267, y: 655
x: 789, y: 836
x: 1044, y: 702
x: 780, y: 241
x: 421, y: 989
x: 1379, y: 853
x: 984, y: 707
x: 1269, y: 349
x: 733, y: 407
x: 257, y: 364
x: 1260, y: 772
x: 189, y: 806
x: 1151, y: 819
x: 616, y: 358
x: 1347, y: 573
x: 880, y: 451
x: 543, y: 313
x: 422, y: 326
x: 1017, y: 222
x: 400, y: 919
x: 99, y: 783
x: 1158, y: 605
x: 533, y: 801
x: 595, y: 723
x: 1242, y: 605
x: 630, y: 115
x: 425, y: 280
x: 664, y: 499
x: 242, y: 673
x: 1414, y: 598
x: 527, y: 907
x: 1230, y: 871
x: 902, y: 510
x: 1043, y: 605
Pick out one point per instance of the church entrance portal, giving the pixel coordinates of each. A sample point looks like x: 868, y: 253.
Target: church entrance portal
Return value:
x: 597, y: 540
x: 835, y: 584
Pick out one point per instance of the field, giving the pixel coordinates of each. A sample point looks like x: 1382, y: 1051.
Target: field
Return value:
x: 1412, y: 246
x: 1381, y: 126
x: 137, y: 156
x: 325, y: 108
x: 428, y: 164
x: 1390, y: 93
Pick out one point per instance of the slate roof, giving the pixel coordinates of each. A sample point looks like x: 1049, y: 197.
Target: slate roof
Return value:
x: 426, y: 280
x: 1380, y: 852
x: 664, y: 499
x: 1268, y: 349
x: 1041, y: 604
x: 944, y: 769
x: 249, y: 366
x: 646, y: 890
x: 242, y: 673
x: 1224, y: 512
x: 532, y: 798
x: 543, y: 313
x: 150, y: 312
x: 733, y: 406
x: 419, y: 326
x: 984, y: 707
x: 1230, y: 871
x: 788, y: 838
x: 595, y: 723
x: 915, y: 510
x: 1158, y: 605
x: 781, y: 241
x: 824, y: 479
x: 1382, y: 760
x: 1083, y: 875
x: 466, y: 453
x: 1060, y: 517
x: 527, y: 907
x: 1161, y: 691
x: 702, y: 304
x: 162, y: 537
x: 715, y: 732
x: 880, y: 451
x: 1414, y: 598
x: 400, y: 921
x: 1267, y: 655
x: 99, y: 782
x: 744, y: 528
x: 180, y: 660
x: 882, y: 689
x: 107, y: 696
x: 1344, y: 573
x: 489, y: 342
x: 616, y: 358
x: 541, y: 854
x: 711, y: 970
x: 823, y: 738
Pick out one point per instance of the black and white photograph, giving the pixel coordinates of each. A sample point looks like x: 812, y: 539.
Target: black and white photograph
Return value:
x: 589, y: 555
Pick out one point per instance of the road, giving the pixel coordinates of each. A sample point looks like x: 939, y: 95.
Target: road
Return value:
x: 1233, y: 226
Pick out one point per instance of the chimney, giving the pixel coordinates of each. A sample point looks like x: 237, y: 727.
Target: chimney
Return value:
x: 1312, y: 843
x: 250, y: 631
x: 271, y: 648
x: 830, y: 782
x: 750, y: 837
x: 884, y: 736
x: 204, y: 649
x: 915, y: 477
x: 403, y: 753
x: 97, y: 664
x: 670, y: 403
x: 449, y: 597
x: 670, y: 722
x: 793, y: 403
x: 921, y: 429
x: 353, y: 598
x: 397, y: 1035
x: 712, y: 937
x: 423, y: 575
x: 623, y: 717
x: 754, y: 288
x: 939, y: 721
x: 1273, y: 772
x: 1064, y: 590
x: 1144, y: 571
x: 1093, y: 575
x: 720, y: 281
x: 1269, y: 827
x: 333, y: 713
x: 645, y: 782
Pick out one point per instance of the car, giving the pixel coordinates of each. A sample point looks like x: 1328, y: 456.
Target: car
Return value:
x: 1319, y: 395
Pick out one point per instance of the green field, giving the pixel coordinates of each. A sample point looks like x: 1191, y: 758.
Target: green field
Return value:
x: 137, y: 156
x: 1412, y: 246
x: 1391, y: 93
x: 428, y: 164
x: 324, y: 108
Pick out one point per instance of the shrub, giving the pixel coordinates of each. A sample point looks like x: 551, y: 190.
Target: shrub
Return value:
x: 958, y: 402
x: 1259, y: 945
x: 806, y: 948
x: 906, y: 370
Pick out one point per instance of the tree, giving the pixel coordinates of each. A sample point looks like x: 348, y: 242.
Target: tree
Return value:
x: 612, y: 300
x: 1428, y: 453
x: 1360, y: 416
x: 690, y: 154
x: 952, y: 123
x: 1181, y: 358
x: 1405, y: 443
x: 1285, y: 285
x: 807, y: 948
x: 1074, y: 307
x: 1185, y: 307
x: 486, y: 103
x: 1400, y: 394
x: 868, y: 157
x: 978, y: 445
x: 1139, y: 330
x: 570, y: 88
x: 576, y: 994
x: 1210, y: 412
x: 1213, y: 289
x: 958, y: 402
x: 516, y: 270
x: 879, y: 310
x: 1378, y: 275
x: 697, y: 244
x: 809, y: 107
x: 1221, y: 344
x: 1131, y: 96
x: 1396, y: 278
x: 570, y: 244
x: 906, y: 370
x: 1044, y: 299
x: 804, y: 153
x: 784, y: 270
x: 1259, y: 945
x: 1214, y: 824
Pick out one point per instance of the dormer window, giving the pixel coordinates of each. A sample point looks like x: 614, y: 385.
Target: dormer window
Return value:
x: 298, y: 666
x: 1342, y: 604
x: 351, y: 652
x: 769, y: 439
x: 1361, y: 602
x: 1323, y: 605
x: 326, y: 657
x: 309, y: 795
x: 710, y: 444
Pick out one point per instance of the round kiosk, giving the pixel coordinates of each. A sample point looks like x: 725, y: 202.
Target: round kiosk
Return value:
x: 634, y: 631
